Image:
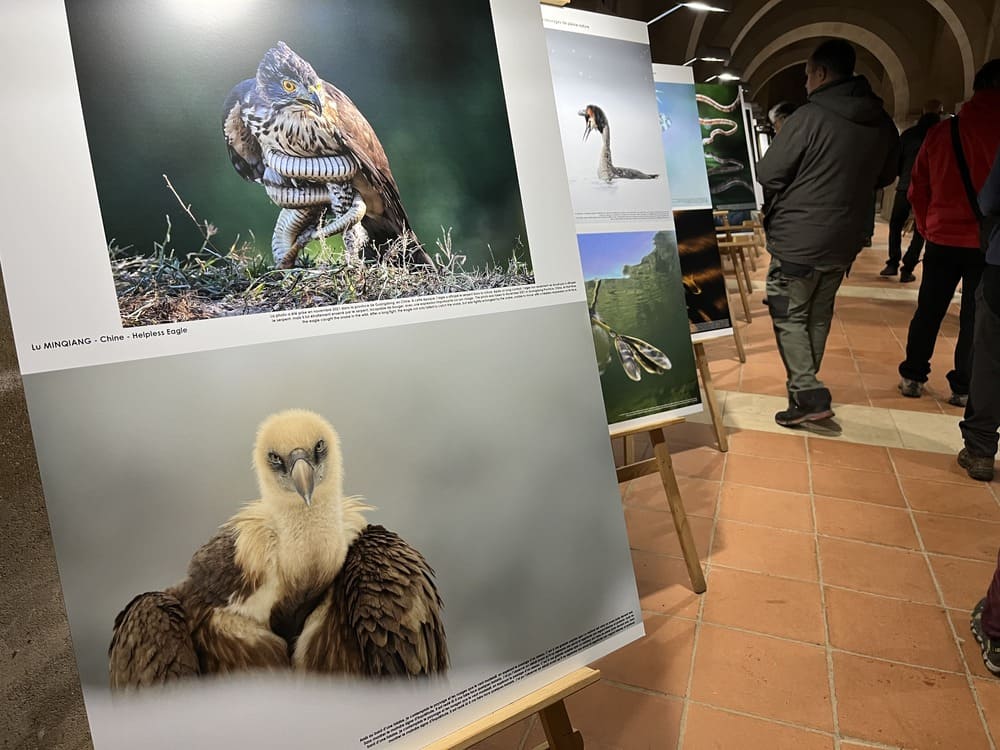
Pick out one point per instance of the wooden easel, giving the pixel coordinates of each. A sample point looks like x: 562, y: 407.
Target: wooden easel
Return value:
x: 547, y: 702
x: 741, y: 351
x: 662, y: 463
x: 710, y: 398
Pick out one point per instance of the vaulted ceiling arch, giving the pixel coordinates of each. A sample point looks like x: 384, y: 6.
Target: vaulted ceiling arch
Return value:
x: 795, y: 56
x: 882, y: 50
x: 966, y: 20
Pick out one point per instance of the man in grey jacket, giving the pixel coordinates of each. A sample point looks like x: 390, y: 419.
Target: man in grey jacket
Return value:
x: 820, y: 175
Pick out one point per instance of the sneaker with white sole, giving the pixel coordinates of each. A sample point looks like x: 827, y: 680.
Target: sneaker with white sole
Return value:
x: 989, y: 647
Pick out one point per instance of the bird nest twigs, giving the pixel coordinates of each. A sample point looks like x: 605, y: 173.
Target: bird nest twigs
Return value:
x: 166, y: 288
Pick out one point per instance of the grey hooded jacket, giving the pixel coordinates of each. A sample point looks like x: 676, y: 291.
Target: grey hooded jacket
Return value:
x: 821, y: 173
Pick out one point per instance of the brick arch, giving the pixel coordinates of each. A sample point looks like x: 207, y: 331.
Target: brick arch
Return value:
x: 796, y: 55
x: 881, y: 49
x: 961, y: 16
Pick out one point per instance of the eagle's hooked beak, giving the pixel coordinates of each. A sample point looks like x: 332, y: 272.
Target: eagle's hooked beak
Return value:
x: 588, y: 123
x: 314, y: 100
x: 302, y: 473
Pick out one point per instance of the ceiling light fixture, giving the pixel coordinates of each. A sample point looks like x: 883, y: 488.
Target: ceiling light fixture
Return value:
x: 715, y: 6
x: 725, y: 76
x: 710, y: 54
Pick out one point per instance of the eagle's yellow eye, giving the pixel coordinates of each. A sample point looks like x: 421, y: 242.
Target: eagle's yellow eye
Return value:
x: 289, y: 86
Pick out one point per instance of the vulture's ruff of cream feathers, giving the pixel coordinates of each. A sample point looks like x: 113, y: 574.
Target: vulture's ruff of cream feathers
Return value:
x: 294, y: 579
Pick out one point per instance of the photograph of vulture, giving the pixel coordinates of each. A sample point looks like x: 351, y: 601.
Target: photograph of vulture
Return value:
x: 296, y: 580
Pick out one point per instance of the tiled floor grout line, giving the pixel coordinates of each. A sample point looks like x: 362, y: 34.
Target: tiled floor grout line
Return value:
x: 679, y: 556
x: 762, y: 424
x: 682, y: 729
x: 941, y: 598
x: 828, y: 647
x: 722, y: 709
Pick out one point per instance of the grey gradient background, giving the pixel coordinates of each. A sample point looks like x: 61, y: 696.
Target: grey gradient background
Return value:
x: 490, y: 454
x: 617, y: 76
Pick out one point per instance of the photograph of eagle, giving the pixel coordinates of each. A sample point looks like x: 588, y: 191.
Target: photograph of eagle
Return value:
x: 295, y: 580
x: 595, y: 119
x: 319, y: 160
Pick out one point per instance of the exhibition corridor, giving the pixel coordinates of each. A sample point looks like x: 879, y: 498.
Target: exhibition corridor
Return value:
x: 500, y: 375
x: 841, y: 569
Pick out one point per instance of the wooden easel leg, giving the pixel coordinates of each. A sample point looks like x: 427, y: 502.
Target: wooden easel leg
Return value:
x: 690, y: 552
x: 628, y: 449
x: 741, y: 285
x: 746, y: 274
x: 741, y: 351
x: 558, y: 730
x: 710, y: 397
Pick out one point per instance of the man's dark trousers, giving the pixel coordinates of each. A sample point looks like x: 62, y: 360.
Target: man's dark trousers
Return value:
x: 944, y: 267
x: 982, y: 412
x: 900, y: 213
x: 800, y: 299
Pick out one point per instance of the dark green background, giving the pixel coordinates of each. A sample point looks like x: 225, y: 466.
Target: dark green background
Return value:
x: 727, y: 147
x: 153, y: 76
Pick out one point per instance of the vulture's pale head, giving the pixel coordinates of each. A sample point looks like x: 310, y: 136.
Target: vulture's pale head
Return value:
x: 297, y: 458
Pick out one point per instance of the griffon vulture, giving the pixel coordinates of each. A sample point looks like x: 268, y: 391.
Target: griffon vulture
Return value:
x: 296, y: 579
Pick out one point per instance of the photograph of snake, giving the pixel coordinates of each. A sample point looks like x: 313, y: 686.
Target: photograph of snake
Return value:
x: 329, y: 157
x: 642, y: 339
x: 725, y: 145
x: 614, y: 162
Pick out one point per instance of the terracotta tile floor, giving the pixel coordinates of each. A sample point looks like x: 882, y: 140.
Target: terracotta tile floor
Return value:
x: 840, y: 571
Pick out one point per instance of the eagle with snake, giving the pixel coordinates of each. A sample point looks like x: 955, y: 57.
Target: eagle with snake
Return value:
x: 320, y: 162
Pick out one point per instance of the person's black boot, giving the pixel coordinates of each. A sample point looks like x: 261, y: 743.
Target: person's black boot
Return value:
x: 806, y: 406
x: 891, y: 269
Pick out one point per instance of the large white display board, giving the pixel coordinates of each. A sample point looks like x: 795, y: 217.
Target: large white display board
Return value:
x: 472, y: 421
x: 603, y: 82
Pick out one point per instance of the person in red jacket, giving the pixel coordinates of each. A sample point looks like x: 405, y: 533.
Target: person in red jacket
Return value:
x: 944, y: 216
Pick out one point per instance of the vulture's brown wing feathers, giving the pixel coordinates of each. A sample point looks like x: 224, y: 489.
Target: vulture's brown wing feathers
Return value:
x: 152, y: 643
x: 188, y: 630
x: 224, y: 641
x: 244, y: 149
x: 383, y: 616
x: 393, y: 605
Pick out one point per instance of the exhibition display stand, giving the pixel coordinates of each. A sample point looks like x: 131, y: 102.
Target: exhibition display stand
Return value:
x: 709, y: 388
x: 662, y: 464
x: 547, y: 702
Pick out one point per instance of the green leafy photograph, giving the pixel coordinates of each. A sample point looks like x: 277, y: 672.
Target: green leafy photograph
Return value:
x: 639, y: 322
x: 724, y: 137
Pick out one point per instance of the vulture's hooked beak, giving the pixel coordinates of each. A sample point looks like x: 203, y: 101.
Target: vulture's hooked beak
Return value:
x: 588, y: 123
x: 302, y: 473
